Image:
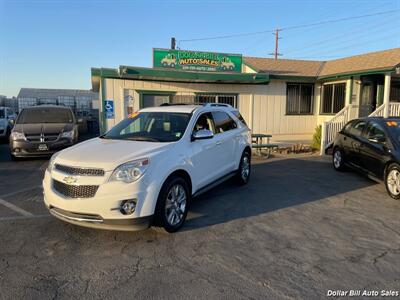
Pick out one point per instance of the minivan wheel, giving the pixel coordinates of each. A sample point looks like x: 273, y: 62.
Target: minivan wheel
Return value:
x: 392, y: 181
x: 243, y: 173
x: 172, y: 204
x: 338, y: 160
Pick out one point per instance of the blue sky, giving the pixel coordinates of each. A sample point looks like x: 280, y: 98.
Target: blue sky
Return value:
x: 53, y: 44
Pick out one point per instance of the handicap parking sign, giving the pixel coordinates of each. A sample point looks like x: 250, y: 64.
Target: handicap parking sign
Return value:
x: 109, y: 109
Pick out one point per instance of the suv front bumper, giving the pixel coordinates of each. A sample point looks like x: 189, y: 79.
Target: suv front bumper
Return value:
x: 103, y: 209
x: 96, y: 221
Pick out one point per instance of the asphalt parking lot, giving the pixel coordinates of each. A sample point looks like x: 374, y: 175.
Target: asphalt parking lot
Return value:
x: 297, y: 230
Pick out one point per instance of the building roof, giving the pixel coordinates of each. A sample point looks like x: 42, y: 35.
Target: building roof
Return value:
x: 373, y: 61
x: 380, y: 60
x: 54, y: 93
x: 286, y: 67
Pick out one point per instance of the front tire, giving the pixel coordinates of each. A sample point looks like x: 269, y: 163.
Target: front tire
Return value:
x: 338, y: 160
x: 172, y: 204
x: 243, y: 173
x: 392, y: 181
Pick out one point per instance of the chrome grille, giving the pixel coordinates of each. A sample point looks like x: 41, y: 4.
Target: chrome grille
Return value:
x: 51, y: 137
x: 79, y: 171
x: 75, y: 191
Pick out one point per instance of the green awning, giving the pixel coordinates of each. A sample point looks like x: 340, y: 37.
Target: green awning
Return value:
x: 138, y: 73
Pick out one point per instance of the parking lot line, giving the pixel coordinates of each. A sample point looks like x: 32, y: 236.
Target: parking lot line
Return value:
x: 24, y: 217
x: 16, y: 208
x: 21, y: 191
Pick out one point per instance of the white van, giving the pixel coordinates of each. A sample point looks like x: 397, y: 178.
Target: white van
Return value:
x: 7, y: 118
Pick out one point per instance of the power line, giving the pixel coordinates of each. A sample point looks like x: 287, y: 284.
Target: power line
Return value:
x: 288, y: 27
x: 339, y: 20
x: 341, y: 38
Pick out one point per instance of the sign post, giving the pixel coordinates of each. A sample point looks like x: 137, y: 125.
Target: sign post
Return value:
x: 197, y: 61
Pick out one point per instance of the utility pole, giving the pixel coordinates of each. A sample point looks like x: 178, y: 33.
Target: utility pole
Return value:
x: 277, y: 38
x: 173, y: 43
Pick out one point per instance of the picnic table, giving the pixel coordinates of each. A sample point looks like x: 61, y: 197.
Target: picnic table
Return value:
x: 257, y: 143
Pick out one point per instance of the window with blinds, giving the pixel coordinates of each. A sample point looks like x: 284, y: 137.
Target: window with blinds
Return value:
x: 299, y: 98
x: 333, y: 98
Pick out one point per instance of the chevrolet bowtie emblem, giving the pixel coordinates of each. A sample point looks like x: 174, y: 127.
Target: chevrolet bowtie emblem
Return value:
x: 70, y: 179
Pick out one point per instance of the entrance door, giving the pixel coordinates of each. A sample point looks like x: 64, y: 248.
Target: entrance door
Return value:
x: 368, y: 99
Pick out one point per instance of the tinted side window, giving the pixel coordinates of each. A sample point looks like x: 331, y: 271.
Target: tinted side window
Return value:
x: 357, y: 128
x: 223, y: 122
x: 205, y: 121
x: 374, y: 131
x: 239, y: 116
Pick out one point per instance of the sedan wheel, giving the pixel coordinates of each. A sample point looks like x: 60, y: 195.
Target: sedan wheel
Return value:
x: 338, y: 160
x: 393, y: 181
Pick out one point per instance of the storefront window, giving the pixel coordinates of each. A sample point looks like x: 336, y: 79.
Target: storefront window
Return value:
x: 299, y: 98
x: 150, y: 100
x: 333, y: 98
x: 217, y: 98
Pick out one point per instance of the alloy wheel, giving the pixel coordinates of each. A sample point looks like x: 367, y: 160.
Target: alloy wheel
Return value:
x: 175, y: 204
x: 245, y: 171
x: 393, y: 182
x: 337, y: 159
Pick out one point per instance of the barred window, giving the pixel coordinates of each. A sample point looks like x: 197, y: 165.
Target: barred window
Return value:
x: 333, y: 98
x: 299, y: 98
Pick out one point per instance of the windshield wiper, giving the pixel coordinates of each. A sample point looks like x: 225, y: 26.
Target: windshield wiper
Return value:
x: 144, y: 138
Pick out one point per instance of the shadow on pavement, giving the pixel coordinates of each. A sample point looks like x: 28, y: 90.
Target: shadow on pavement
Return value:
x: 273, y: 186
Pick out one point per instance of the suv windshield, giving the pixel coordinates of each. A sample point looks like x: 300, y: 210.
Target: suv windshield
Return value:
x: 45, y: 115
x: 1, y: 113
x: 151, y: 127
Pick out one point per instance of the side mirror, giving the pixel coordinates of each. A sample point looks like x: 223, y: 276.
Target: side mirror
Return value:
x: 202, y: 134
x: 377, y: 139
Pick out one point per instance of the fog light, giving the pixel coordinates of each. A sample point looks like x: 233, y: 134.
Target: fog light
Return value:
x: 128, y: 207
x: 17, y: 150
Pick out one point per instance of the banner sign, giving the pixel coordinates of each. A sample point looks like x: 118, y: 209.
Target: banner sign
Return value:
x: 197, y: 61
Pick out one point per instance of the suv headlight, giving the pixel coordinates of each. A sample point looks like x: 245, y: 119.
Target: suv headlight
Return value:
x: 17, y: 136
x: 130, y: 171
x: 68, y: 134
x: 52, y: 162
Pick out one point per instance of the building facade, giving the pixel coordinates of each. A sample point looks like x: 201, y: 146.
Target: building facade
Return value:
x: 285, y: 98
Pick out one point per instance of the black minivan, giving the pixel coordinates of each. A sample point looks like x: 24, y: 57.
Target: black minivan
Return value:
x: 43, y: 130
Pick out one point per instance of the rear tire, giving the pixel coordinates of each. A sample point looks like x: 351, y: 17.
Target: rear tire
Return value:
x: 338, y: 160
x: 392, y: 181
x: 244, y: 171
x: 172, y: 204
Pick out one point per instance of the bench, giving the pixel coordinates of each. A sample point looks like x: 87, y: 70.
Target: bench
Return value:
x: 270, y: 147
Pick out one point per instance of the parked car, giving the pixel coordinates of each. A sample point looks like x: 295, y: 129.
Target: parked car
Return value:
x: 147, y: 168
x: 43, y: 130
x: 7, y: 118
x: 371, y: 145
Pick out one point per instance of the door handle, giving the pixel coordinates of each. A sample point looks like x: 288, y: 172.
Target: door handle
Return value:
x: 219, y: 143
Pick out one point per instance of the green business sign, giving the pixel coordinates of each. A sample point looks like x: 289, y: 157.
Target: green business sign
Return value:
x: 197, y: 61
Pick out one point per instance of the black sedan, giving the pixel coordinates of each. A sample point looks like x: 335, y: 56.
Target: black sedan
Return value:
x: 371, y: 145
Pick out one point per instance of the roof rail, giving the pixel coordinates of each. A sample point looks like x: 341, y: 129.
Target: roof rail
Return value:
x: 217, y: 104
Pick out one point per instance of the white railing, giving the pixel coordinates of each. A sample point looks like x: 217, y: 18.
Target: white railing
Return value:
x: 394, y: 110
x: 334, y: 125
x: 378, y: 112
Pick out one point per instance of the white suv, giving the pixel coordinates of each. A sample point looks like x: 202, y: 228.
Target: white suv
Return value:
x: 146, y: 169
